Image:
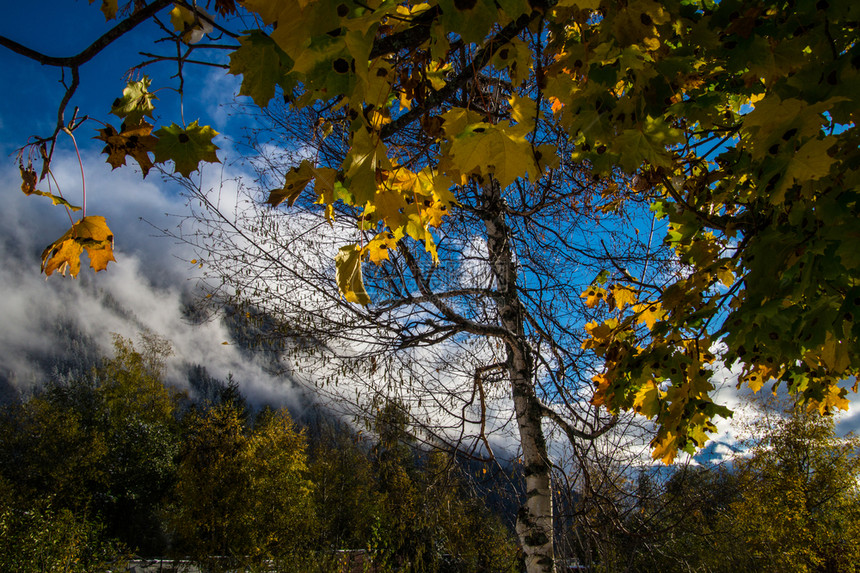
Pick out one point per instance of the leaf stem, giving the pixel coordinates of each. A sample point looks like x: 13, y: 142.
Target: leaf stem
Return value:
x: 60, y: 193
x: 83, y: 177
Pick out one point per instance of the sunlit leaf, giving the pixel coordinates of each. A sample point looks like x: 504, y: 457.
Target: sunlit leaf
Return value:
x: 135, y: 103
x: 349, y: 278
x: 90, y: 234
x: 593, y: 296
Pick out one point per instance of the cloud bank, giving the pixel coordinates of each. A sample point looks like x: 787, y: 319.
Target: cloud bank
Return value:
x: 147, y: 289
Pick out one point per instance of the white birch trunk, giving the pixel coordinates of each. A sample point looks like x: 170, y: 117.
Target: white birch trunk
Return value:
x: 534, y: 519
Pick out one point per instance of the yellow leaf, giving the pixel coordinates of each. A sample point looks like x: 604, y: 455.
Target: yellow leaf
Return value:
x: 109, y: 8
x: 435, y: 212
x: 192, y: 27
x: 593, y: 296
x: 378, y: 248
x: 500, y: 150
x: 649, y: 314
x: 600, y: 333
x: 621, y: 296
x: 295, y: 182
x: 835, y: 354
x: 757, y: 378
x: 91, y: 234
x: 348, y: 275
x: 377, y: 119
x: 834, y: 398
x: 523, y: 111
x: 647, y: 400
x: 726, y: 276
x: 664, y: 447
x: 600, y: 398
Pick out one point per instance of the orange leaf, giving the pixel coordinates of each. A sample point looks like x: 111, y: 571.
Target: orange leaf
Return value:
x: 91, y: 234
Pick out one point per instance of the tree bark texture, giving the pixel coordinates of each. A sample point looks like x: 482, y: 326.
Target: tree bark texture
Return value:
x: 534, y: 519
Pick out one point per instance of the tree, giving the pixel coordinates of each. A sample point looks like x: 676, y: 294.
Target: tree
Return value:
x: 736, y: 120
x: 406, y: 508
x: 36, y: 537
x: 799, y: 505
x: 786, y: 502
x: 100, y: 447
x: 140, y: 416
x: 242, y: 496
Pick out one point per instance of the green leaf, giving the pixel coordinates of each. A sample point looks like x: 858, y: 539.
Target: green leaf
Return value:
x: 472, y: 19
x: 651, y: 143
x: 135, y: 103
x: 186, y: 147
x: 262, y: 65
x: 499, y: 150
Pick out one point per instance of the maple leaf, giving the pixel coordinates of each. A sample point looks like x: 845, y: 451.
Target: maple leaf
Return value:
x: 90, y: 234
x: 649, y: 313
x: 470, y: 19
x: 516, y: 57
x: 348, y: 275
x: 834, y: 398
x: 651, y: 143
x: 811, y: 162
x: 136, y: 142
x: 366, y: 157
x: 135, y: 103
x: 835, y: 354
x: 186, y: 147
x: 621, y: 296
x: 295, y: 182
x: 499, y: 150
x: 380, y: 246
x: 593, y: 296
x: 601, y: 395
x: 647, y: 400
x: 600, y: 333
x: 665, y: 447
x: 262, y: 65
x: 757, y: 378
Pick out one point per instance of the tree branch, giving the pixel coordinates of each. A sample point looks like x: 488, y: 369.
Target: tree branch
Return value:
x: 93, y: 49
x: 574, y: 433
x: 481, y: 59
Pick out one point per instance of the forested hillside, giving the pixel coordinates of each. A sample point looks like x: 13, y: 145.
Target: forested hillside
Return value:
x: 100, y: 467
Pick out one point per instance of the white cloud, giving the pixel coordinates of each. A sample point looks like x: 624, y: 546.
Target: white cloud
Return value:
x: 146, y: 283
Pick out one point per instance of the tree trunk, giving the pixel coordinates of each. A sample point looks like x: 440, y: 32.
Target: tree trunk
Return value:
x: 534, y: 519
